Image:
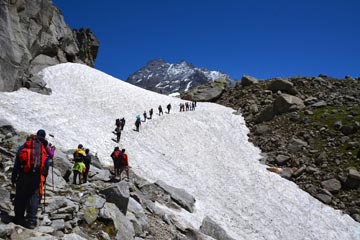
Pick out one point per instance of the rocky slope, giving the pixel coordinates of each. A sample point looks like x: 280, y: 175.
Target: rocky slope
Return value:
x: 33, y: 35
x: 309, y: 128
x: 162, y: 77
x: 103, y: 208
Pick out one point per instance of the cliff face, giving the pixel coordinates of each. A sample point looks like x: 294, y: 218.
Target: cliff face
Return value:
x: 33, y: 35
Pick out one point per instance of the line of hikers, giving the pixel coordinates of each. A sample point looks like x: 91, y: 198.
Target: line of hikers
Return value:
x: 151, y: 112
x: 187, y: 106
x: 31, y: 168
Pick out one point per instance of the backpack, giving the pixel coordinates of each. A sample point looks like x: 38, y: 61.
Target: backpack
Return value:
x: 32, y: 156
x: 119, y: 157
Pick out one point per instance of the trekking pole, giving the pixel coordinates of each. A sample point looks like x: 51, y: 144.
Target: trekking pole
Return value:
x: 52, y: 174
x: 44, y: 197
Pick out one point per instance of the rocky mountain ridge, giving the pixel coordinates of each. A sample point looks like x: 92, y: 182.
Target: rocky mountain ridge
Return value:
x: 34, y: 35
x: 309, y: 129
x: 162, y: 77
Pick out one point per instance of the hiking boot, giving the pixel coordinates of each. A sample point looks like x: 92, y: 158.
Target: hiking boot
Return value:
x: 30, y: 225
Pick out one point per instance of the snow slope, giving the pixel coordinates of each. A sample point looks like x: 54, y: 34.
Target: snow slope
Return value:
x: 205, y: 152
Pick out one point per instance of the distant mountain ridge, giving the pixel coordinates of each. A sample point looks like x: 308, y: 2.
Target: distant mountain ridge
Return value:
x: 163, y: 77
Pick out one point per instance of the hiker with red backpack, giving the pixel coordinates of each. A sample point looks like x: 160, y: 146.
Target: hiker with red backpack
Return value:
x: 115, y: 155
x: 30, y: 170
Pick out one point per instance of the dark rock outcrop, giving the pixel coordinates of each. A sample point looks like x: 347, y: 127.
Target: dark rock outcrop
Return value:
x: 208, y: 92
x: 33, y: 35
x: 162, y: 77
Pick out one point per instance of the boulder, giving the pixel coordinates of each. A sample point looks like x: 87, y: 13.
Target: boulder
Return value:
x: 324, y: 198
x: 248, y: 80
x: 124, y: 228
x: 287, y: 103
x: 180, y: 196
x: 352, y: 179
x: 279, y: 84
x: 296, y: 145
x: 281, y: 159
x: 118, y: 194
x: 319, y: 104
x: 55, y: 177
x: 332, y: 185
x: 139, y: 214
x: 265, y: 115
x: 211, y: 228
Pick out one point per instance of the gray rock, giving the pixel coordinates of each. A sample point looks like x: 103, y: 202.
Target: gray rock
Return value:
x: 90, y: 214
x: 319, y: 104
x: 119, y: 195
x: 6, y: 127
x: 180, y: 196
x: 324, y: 198
x: 125, y: 229
x: 59, y: 182
x: 73, y: 236
x: 248, y: 80
x: 95, y: 202
x: 281, y: 159
x: 135, y: 208
x: 265, y: 115
x: 253, y: 108
x: 262, y: 129
x: 296, y: 145
x: 58, y: 224
x: 279, y: 84
x: 332, y: 185
x: 287, y: 103
x: 337, y: 124
x: 353, y: 179
x: 211, y: 228
x: 348, y: 130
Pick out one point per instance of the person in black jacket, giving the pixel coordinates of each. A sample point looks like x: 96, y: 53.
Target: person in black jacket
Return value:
x: 151, y: 113
x: 168, y: 108
x: 87, y: 161
x: 122, y: 121
x: 160, y: 110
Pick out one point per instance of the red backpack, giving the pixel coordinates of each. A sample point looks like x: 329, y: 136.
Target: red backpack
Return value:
x: 33, y: 155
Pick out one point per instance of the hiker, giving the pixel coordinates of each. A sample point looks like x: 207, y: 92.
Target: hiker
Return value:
x: 118, y: 133
x: 144, y: 114
x: 181, y: 107
x: 137, y: 122
x: 151, y: 113
x: 125, y: 165
x: 160, y: 110
x: 87, y: 162
x: 115, y: 155
x: 193, y: 106
x: 117, y: 123
x: 187, y: 106
x: 79, y: 166
x: 29, y: 173
x: 168, y: 108
x: 122, y: 122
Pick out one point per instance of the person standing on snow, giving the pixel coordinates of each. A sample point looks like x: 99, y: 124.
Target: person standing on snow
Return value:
x: 151, y: 113
x: 29, y: 173
x: 145, y: 116
x: 137, y: 123
x: 122, y: 123
x: 160, y: 110
x: 168, y: 108
x: 118, y: 134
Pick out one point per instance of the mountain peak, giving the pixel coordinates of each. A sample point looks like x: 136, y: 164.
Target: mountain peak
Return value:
x: 163, y: 77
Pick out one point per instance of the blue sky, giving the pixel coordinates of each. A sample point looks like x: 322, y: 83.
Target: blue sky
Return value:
x: 262, y: 38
